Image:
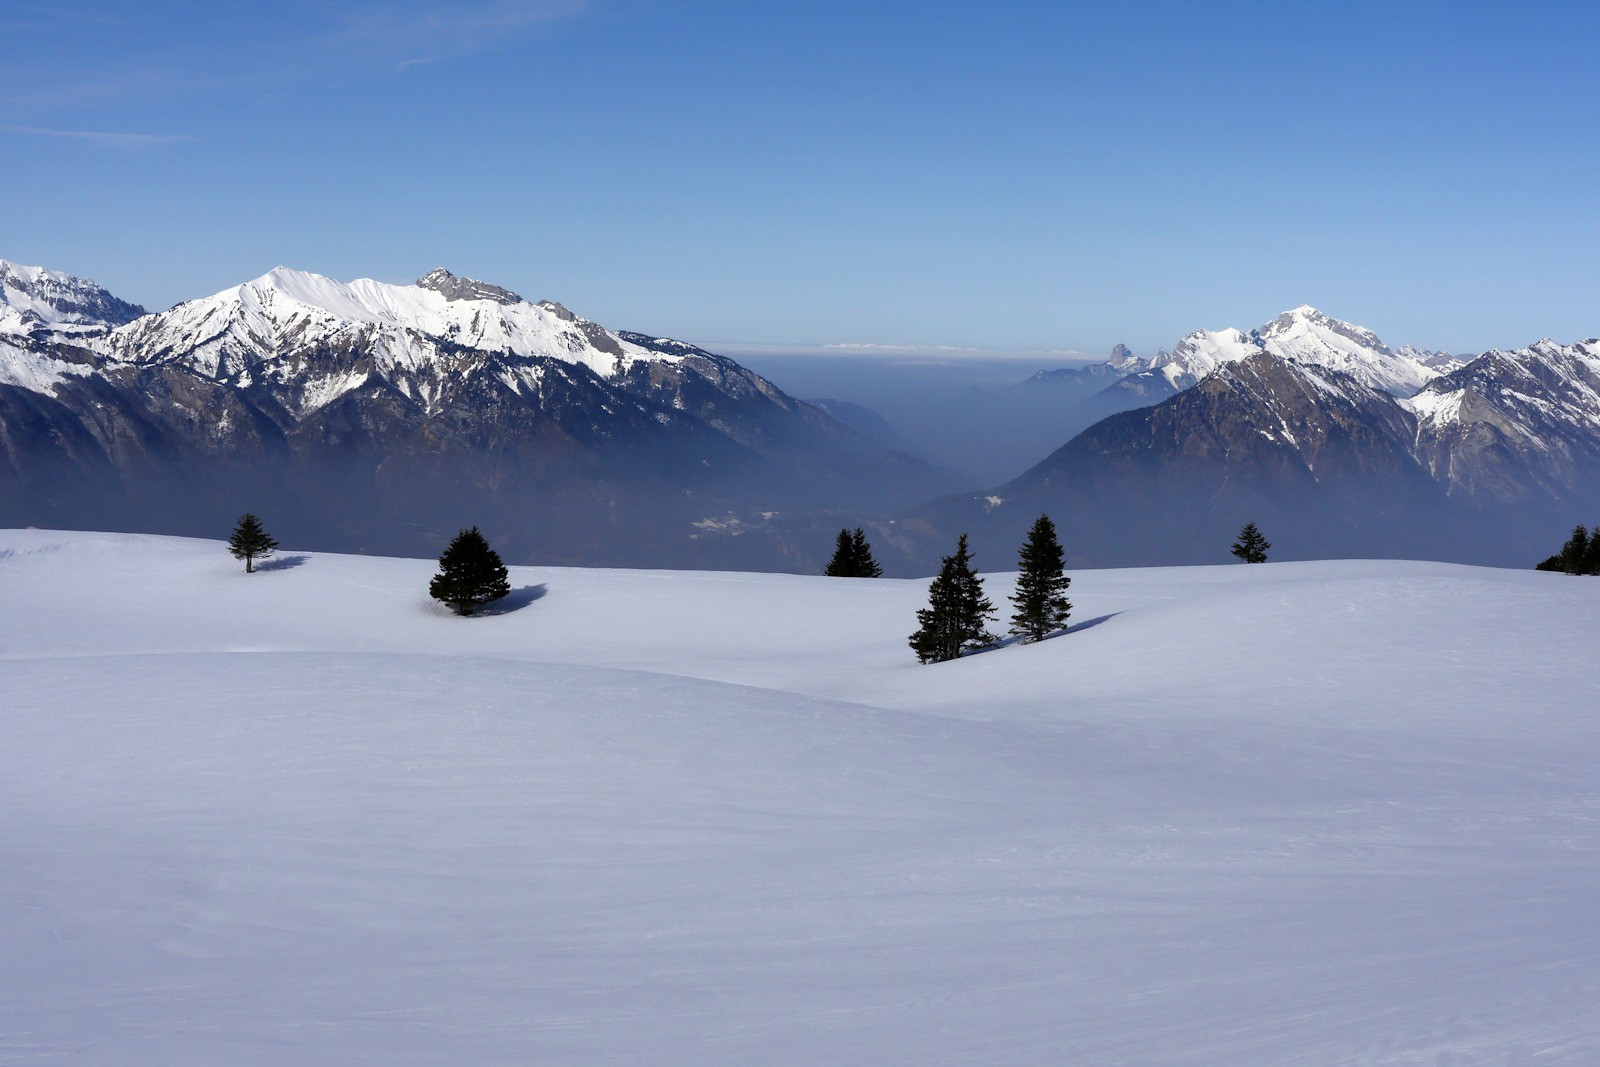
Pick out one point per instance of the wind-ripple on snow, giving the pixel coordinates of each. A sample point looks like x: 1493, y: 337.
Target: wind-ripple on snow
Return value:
x: 303, y: 816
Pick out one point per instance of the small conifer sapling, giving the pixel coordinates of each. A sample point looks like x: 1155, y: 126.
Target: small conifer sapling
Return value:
x: 470, y: 574
x: 1251, y: 546
x: 250, y: 542
x: 1041, y: 593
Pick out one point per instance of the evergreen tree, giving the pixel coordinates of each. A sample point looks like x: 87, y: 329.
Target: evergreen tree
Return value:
x: 1251, y: 546
x: 1575, y: 553
x: 866, y: 566
x: 250, y: 542
x: 852, y: 557
x: 1591, y: 558
x: 842, y: 565
x: 955, y: 620
x: 1041, y: 594
x: 470, y: 574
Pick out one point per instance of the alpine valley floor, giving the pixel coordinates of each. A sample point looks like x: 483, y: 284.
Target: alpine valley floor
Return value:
x: 1306, y: 813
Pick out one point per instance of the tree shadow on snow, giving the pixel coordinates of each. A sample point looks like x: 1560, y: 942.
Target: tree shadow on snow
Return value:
x: 515, y: 600
x: 1085, y: 624
x: 282, y: 563
x: 1016, y: 639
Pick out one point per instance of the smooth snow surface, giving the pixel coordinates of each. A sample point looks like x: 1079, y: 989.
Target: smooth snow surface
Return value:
x: 1311, y: 813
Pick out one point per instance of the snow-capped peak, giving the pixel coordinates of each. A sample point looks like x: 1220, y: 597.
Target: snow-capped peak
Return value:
x: 1123, y: 359
x: 288, y: 326
x: 1202, y: 352
x: 1309, y: 336
x: 1303, y: 335
x: 33, y: 298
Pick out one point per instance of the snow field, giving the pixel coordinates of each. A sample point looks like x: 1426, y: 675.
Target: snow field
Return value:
x: 1309, y: 813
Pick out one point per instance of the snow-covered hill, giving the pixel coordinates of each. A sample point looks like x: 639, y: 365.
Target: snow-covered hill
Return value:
x: 1289, y: 814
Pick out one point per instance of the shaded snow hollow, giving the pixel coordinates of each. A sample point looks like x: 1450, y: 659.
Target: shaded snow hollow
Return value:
x: 1309, y: 813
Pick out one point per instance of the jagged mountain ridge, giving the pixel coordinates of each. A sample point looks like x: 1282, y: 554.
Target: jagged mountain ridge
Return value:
x: 1302, y: 334
x: 378, y: 415
x: 34, y: 300
x: 1515, y: 426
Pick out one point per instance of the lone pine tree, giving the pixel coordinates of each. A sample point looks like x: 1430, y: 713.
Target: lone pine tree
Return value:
x: 1251, y: 546
x: 1041, y: 593
x: 470, y: 574
x: 955, y: 620
x: 852, y: 557
x: 250, y: 542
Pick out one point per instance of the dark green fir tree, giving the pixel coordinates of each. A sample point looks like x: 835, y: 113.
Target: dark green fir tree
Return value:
x: 1251, y: 546
x: 842, y: 565
x: 250, y: 542
x: 1575, y: 553
x: 956, y: 618
x: 470, y: 574
x: 1041, y: 593
x: 861, y: 551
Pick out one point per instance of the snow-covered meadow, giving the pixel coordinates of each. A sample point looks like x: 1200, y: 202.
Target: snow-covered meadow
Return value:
x: 1309, y: 813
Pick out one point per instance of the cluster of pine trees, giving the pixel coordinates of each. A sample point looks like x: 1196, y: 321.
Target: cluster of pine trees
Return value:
x: 852, y: 557
x: 1580, y: 555
x: 471, y: 573
x: 956, y: 620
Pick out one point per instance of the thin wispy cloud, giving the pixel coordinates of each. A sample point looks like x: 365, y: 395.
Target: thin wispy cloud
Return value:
x: 417, y: 33
x: 308, y: 43
x: 104, y: 138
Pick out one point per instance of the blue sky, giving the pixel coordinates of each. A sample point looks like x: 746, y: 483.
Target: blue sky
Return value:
x: 988, y: 176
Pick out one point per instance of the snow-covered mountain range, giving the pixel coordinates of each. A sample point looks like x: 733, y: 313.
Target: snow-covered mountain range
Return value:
x: 1350, y: 446
x: 408, y: 408
x: 381, y: 417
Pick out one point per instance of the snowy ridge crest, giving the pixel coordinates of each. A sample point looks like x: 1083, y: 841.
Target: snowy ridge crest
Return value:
x: 1302, y: 335
x: 327, y: 336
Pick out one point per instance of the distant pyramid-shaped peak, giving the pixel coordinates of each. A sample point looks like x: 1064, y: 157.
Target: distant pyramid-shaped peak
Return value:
x: 1122, y: 358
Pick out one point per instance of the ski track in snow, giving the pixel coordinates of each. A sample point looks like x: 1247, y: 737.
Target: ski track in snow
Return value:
x: 1309, y: 813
